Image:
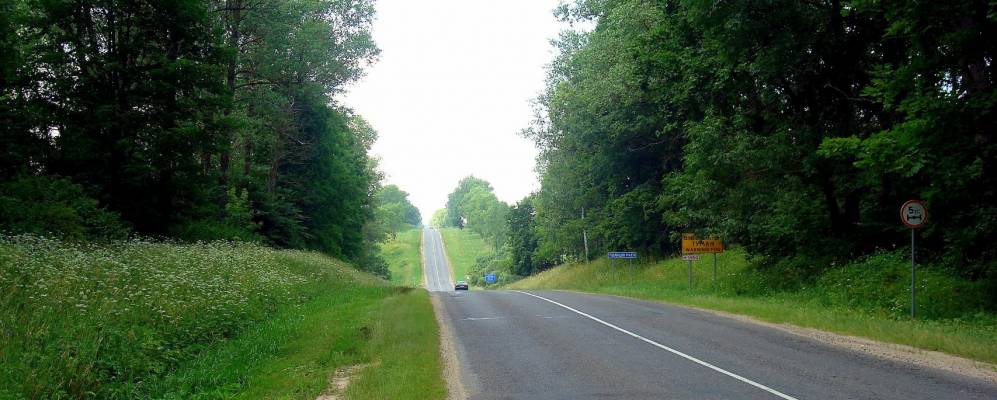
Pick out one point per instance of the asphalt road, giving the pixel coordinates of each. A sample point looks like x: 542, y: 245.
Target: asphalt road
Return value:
x: 437, y: 269
x: 564, y: 345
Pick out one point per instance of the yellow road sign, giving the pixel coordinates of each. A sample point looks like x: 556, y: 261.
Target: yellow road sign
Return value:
x: 692, y: 245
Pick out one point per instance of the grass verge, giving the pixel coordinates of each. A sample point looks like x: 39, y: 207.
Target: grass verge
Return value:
x: 826, y: 305
x: 403, y: 352
x: 402, y: 256
x: 144, y: 319
x: 463, y: 249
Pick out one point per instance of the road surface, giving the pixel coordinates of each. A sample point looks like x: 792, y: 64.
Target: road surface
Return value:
x: 437, y: 269
x: 565, y: 345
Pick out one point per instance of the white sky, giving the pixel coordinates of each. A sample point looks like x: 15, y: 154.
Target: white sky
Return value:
x: 451, y: 92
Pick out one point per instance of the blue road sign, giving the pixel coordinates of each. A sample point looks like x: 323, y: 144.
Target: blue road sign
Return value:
x: 490, y: 278
x: 623, y: 254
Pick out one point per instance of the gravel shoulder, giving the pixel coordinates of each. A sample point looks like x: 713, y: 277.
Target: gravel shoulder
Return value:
x: 448, y: 352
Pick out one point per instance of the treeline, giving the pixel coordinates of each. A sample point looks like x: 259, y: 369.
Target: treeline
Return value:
x: 508, y: 230
x: 195, y: 119
x: 794, y: 129
x: 395, y: 212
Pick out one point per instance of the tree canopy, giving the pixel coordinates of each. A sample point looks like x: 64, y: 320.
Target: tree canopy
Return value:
x: 795, y: 129
x: 199, y: 119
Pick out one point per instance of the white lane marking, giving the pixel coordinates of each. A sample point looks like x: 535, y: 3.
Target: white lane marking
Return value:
x: 445, y: 284
x: 480, y: 318
x: 427, y: 246
x: 666, y: 348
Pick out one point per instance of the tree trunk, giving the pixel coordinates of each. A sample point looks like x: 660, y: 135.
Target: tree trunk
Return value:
x: 234, y: 16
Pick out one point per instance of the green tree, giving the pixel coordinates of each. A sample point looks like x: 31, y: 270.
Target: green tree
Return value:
x: 473, y: 204
x: 439, y: 217
x: 455, y: 200
x: 792, y: 128
x: 394, y: 211
x: 523, y: 240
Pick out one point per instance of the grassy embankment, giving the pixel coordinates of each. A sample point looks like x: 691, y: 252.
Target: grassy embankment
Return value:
x: 869, y: 298
x: 143, y: 319
x: 463, y: 247
x: 403, y: 257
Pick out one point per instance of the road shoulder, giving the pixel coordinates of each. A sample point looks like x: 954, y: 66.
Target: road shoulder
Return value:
x: 888, y: 351
x: 448, y: 352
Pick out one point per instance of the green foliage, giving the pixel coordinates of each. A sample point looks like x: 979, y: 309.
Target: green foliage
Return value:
x: 55, y: 206
x: 523, y: 241
x: 795, y: 129
x: 394, y: 211
x: 473, y: 205
x: 881, y: 282
x: 456, y: 216
x: 439, y: 217
x: 196, y: 119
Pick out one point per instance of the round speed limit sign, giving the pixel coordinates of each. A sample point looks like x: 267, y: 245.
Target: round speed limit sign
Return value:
x: 914, y: 214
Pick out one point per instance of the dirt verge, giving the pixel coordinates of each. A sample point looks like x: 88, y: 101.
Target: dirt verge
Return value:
x: 448, y: 353
x: 339, y: 381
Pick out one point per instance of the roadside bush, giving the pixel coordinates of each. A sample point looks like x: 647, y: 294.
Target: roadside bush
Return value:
x: 881, y: 282
x: 489, y: 264
x: 238, y: 223
x: 760, y: 278
x: 55, y: 206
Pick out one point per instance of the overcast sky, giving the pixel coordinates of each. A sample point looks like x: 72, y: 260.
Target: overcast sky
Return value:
x: 452, y: 90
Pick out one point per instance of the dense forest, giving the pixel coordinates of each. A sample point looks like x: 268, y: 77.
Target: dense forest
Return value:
x: 190, y: 119
x: 793, y: 129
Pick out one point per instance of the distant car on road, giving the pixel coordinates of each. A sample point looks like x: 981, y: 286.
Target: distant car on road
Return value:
x: 461, y: 285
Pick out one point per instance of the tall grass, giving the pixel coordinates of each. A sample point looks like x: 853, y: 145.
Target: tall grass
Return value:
x: 403, y: 257
x: 102, y: 321
x: 463, y: 248
x: 868, y: 298
x: 404, y: 352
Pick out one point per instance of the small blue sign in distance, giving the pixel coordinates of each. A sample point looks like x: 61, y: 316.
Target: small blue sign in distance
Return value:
x: 490, y: 278
x: 623, y: 254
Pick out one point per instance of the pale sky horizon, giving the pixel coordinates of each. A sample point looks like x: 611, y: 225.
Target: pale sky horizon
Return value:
x: 451, y: 92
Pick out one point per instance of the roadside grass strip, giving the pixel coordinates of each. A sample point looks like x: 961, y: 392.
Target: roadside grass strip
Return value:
x: 402, y: 256
x: 463, y: 248
x: 404, y: 352
x: 290, y: 356
x: 219, y: 320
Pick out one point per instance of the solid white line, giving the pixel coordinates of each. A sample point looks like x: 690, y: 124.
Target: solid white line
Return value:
x: 442, y: 263
x: 427, y: 246
x: 669, y: 349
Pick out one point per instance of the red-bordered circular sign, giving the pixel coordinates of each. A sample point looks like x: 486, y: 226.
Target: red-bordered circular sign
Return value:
x: 914, y: 214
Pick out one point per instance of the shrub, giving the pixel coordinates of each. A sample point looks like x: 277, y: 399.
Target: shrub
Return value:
x: 881, y: 282
x: 47, y: 205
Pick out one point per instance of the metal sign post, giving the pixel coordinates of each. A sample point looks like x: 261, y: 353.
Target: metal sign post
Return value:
x: 690, y: 258
x: 914, y: 215
x: 627, y: 255
x: 690, y: 274
x: 692, y: 247
x: 714, y: 270
x: 630, y: 266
